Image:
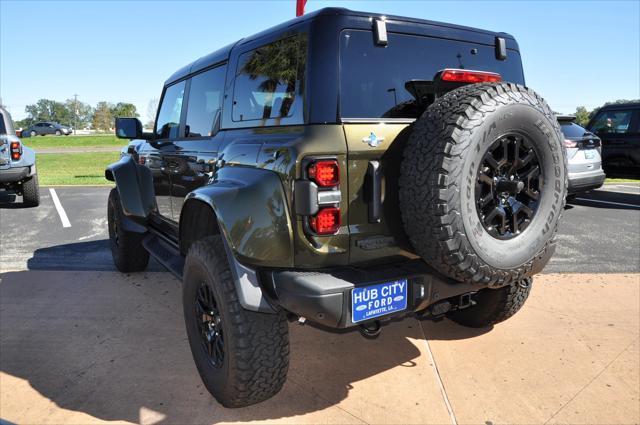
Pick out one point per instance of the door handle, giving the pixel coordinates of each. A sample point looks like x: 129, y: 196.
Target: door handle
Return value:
x: 373, y: 191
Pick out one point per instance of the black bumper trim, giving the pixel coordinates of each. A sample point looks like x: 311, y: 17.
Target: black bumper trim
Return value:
x: 12, y: 175
x: 325, y: 297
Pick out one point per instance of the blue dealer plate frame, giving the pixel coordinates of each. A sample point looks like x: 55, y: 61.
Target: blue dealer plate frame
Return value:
x: 369, y: 302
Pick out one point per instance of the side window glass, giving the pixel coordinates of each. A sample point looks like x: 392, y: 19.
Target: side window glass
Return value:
x: 205, y: 101
x: 612, y: 122
x: 270, y: 81
x: 168, y: 124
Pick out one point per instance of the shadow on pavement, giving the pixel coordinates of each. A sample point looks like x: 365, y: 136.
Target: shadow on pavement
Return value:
x: 113, y: 346
x: 447, y: 330
x: 89, y: 255
x: 8, y: 201
x: 607, y: 199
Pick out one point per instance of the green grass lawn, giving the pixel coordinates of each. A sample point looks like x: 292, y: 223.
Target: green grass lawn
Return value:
x: 615, y: 180
x: 74, y: 168
x: 93, y: 141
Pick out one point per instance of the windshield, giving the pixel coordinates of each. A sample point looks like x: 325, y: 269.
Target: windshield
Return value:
x: 372, y: 78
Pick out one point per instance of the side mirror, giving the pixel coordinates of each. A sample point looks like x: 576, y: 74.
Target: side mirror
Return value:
x: 130, y: 128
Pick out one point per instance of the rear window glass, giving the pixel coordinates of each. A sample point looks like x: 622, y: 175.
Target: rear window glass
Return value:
x: 612, y: 121
x: 572, y: 130
x: 270, y: 81
x: 205, y: 101
x: 3, y: 129
x: 372, y: 78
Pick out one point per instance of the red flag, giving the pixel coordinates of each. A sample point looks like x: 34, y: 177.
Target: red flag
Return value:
x: 300, y: 7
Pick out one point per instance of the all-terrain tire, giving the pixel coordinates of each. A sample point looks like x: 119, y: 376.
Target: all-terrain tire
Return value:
x: 31, y: 192
x: 440, y: 173
x: 494, y: 305
x: 256, y: 345
x: 126, y: 247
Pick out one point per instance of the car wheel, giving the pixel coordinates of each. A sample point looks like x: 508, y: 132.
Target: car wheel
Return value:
x: 33, y: 133
x: 31, y: 192
x: 483, y: 183
x: 242, y: 356
x: 493, y: 306
x: 126, y: 247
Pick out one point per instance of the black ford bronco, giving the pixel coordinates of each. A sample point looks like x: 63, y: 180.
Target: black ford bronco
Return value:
x: 343, y: 168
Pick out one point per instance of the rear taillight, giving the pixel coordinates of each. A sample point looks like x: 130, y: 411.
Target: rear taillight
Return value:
x: 326, y: 221
x: 570, y: 143
x: 472, y: 77
x: 325, y: 173
x: 16, y: 150
x: 317, y: 196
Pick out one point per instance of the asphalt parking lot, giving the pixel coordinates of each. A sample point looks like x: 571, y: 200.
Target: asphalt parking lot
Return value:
x: 81, y: 343
x: 599, y: 232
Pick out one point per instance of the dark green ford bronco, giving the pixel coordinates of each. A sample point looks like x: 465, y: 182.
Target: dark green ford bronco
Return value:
x: 343, y: 169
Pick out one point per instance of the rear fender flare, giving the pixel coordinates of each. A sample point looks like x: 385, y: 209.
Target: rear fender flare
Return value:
x: 252, y: 213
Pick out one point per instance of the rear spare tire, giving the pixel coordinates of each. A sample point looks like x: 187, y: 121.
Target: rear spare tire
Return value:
x: 483, y: 183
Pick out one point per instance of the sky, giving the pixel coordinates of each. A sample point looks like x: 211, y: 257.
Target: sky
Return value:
x: 573, y: 52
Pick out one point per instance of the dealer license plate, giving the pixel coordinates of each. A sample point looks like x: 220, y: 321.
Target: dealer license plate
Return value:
x: 368, y: 302
x: 589, y: 154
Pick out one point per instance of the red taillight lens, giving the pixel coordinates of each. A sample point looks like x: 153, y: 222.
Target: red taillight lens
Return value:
x: 16, y: 150
x: 570, y: 143
x: 326, y: 221
x: 463, y: 76
x: 326, y: 173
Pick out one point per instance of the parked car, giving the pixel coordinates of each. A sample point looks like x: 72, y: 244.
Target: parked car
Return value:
x: 583, y: 156
x: 44, y: 128
x: 340, y: 169
x: 618, y: 126
x: 18, y: 173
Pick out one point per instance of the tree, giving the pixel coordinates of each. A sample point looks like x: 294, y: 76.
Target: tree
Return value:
x: 81, y: 113
x: 152, y: 111
x: 582, y: 116
x: 103, y: 118
x: 124, y: 110
x: 49, y: 110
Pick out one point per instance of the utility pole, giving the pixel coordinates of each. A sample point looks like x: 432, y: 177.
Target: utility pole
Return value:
x: 75, y: 113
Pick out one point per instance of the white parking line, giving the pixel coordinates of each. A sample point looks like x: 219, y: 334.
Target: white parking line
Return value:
x: 63, y: 215
x: 607, y: 202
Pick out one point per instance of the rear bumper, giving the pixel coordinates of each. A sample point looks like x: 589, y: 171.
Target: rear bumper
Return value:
x: 581, y: 182
x: 15, y: 174
x: 325, y: 297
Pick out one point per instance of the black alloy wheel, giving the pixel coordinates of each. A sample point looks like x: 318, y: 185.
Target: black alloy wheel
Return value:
x: 508, y: 186
x: 210, y: 324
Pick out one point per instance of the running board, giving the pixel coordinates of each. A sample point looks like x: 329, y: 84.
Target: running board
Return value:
x: 165, y: 253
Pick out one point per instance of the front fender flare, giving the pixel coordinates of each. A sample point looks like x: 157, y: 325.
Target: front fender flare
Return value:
x: 135, y: 187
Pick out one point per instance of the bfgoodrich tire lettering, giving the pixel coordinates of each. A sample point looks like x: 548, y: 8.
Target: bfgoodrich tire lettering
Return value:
x: 439, y: 176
